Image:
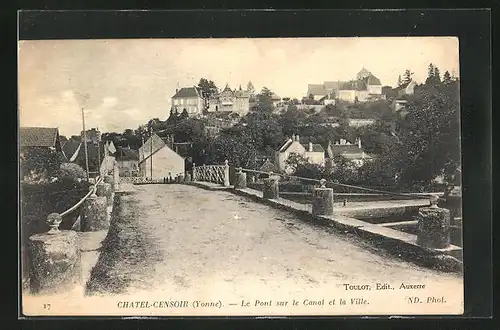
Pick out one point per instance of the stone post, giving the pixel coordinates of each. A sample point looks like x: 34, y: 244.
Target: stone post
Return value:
x: 116, y: 176
x: 111, y: 180
x: 187, y: 177
x: 93, y: 215
x: 104, y: 189
x: 55, y: 259
x: 194, y: 172
x: 271, y: 187
x: 226, y: 173
x: 433, y: 226
x: 240, y: 180
x: 322, y: 203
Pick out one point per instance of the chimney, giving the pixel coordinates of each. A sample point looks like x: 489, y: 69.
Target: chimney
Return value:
x: 310, y: 147
x: 176, y: 90
x: 293, y: 137
x: 297, y: 138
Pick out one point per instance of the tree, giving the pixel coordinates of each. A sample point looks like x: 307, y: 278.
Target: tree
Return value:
x: 430, y: 74
x: 429, y: 134
x: 238, y: 149
x: 446, y: 77
x: 437, y: 75
x: 71, y: 171
x: 379, y: 172
x: 301, y: 167
x: 40, y: 164
x: 292, y: 119
x: 407, y: 77
x: 173, y: 117
x: 208, y: 89
x: 342, y: 171
x: 250, y: 88
x: 184, y: 115
x: 265, y: 101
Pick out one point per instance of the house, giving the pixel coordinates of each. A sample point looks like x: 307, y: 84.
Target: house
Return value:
x: 317, y: 91
x: 353, y: 152
x: 97, y: 150
x: 268, y: 166
x: 360, y: 122
x: 399, y: 106
x: 407, y: 88
x: 276, y: 100
x: 365, y: 88
x: 188, y: 98
x: 95, y: 155
x: 320, y: 91
x: 70, y: 148
x: 312, y: 151
x: 39, y: 137
x: 157, y: 159
x: 38, y: 145
x: 128, y: 162
x: 92, y: 135
x: 237, y: 101
x: 328, y: 99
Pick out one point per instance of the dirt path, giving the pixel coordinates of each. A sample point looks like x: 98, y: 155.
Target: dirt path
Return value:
x: 178, y: 238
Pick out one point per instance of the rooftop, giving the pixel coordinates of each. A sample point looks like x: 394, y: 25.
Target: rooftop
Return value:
x: 316, y: 89
x: 187, y: 92
x: 38, y: 136
x: 70, y: 147
x: 316, y: 147
x: 127, y: 154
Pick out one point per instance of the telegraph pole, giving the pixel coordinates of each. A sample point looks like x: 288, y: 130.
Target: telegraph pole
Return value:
x: 151, y: 150
x: 98, y: 151
x: 85, y: 145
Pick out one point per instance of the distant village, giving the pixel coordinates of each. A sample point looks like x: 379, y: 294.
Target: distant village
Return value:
x: 160, y: 155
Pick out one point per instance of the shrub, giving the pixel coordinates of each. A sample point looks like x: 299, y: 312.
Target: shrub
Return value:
x: 39, y: 200
x: 71, y: 171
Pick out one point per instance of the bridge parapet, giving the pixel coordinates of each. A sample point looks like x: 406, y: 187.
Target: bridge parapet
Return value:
x: 56, y: 255
x: 323, y: 196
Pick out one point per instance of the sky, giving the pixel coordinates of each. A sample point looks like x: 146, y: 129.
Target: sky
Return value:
x: 122, y: 83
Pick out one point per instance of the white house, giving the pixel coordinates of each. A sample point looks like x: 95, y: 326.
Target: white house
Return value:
x: 353, y: 152
x: 312, y: 151
x: 366, y: 87
x: 157, y: 160
x: 188, y: 98
x: 406, y: 88
x: 237, y: 101
x: 276, y: 100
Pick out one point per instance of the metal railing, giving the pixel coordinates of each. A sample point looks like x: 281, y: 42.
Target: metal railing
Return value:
x: 145, y: 180
x: 212, y: 173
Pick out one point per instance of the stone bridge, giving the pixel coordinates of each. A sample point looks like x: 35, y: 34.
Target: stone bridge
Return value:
x: 210, y: 239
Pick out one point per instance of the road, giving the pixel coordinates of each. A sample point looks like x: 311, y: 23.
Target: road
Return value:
x: 183, y: 239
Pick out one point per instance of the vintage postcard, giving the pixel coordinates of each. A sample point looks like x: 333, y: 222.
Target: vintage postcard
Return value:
x: 240, y: 177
